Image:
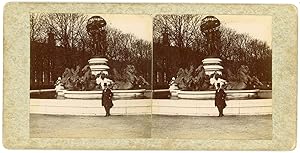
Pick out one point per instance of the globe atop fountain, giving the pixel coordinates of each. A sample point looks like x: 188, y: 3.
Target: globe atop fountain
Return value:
x: 210, y: 29
x: 97, y: 33
x: 96, y: 30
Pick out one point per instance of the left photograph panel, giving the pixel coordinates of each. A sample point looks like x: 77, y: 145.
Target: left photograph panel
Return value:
x: 90, y: 75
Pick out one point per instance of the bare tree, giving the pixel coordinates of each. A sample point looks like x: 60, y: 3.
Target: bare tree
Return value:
x: 37, y: 27
x: 182, y: 29
x: 69, y: 29
x: 242, y: 47
x: 126, y: 47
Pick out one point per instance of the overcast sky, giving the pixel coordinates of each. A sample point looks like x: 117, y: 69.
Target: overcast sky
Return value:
x: 259, y: 27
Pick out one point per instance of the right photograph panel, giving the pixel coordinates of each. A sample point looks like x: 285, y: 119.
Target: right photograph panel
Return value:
x: 212, y: 76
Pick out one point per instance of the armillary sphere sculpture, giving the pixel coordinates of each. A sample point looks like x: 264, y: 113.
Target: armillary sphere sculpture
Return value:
x: 96, y: 30
x: 210, y: 29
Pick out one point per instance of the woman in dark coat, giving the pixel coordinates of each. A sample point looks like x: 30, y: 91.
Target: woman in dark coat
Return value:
x: 107, y: 99
x: 220, y: 99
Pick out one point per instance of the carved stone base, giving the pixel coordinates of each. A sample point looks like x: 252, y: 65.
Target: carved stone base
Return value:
x: 212, y: 65
x: 98, y: 65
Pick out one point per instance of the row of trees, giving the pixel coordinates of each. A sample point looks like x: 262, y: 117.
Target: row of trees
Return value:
x: 69, y: 29
x: 70, y: 32
x: 183, y: 32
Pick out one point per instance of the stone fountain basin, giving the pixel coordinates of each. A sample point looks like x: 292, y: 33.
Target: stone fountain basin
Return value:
x: 231, y: 94
x: 118, y: 94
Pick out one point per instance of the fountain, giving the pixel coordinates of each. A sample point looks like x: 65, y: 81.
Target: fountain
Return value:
x: 193, y: 89
x: 200, y: 82
x: 96, y: 30
x: 87, y: 83
x: 210, y: 30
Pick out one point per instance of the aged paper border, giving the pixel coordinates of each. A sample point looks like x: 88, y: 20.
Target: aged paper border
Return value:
x: 16, y: 76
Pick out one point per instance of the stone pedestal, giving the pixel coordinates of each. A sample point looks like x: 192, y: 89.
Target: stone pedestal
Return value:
x: 98, y: 65
x: 212, y: 65
x: 174, y: 90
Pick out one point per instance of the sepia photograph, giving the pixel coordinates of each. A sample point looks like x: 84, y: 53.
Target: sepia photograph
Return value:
x: 212, y: 77
x: 88, y: 73
x: 149, y: 76
x: 91, y: 76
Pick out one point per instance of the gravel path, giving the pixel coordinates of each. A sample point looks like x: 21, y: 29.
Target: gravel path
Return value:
x: 156, y: 126
x: 227, y: 127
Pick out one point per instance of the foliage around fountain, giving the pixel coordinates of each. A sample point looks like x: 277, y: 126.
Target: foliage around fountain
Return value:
x: 195, y: 79
x: 83, y: 79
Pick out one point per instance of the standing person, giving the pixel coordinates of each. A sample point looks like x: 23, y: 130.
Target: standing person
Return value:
x: 107, y: 99
x: 220, y: 99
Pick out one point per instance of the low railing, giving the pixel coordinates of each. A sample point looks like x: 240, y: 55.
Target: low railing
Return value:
x: 155, y: 94
x: 42, y: 90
